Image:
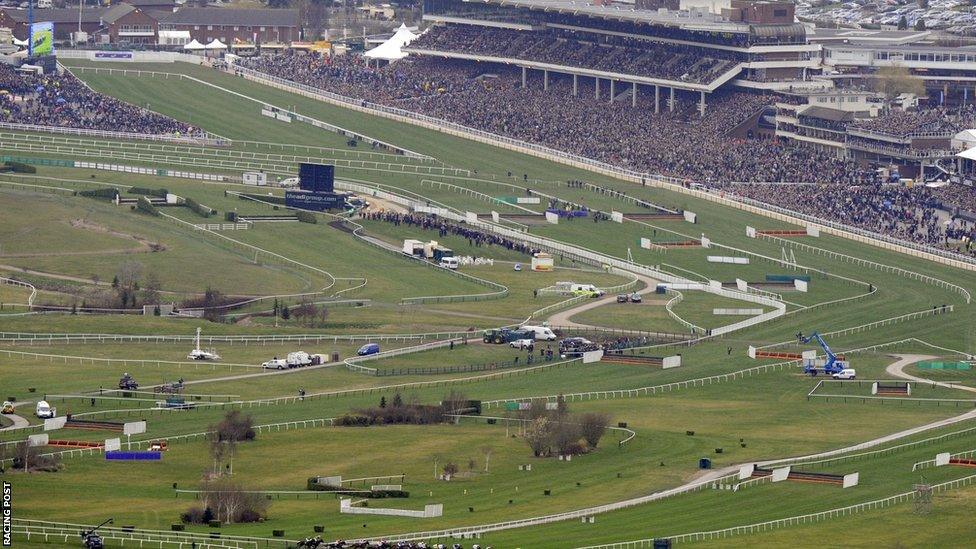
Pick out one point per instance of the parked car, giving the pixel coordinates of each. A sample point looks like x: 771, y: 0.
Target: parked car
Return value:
x: 7, y: 408
x: 846, y: 373
x: 636, y: 298
x: 44, y: 410
x: 523, y: 344
x: 623, y: 298
x: 368, y: 349
x: 275, y: 364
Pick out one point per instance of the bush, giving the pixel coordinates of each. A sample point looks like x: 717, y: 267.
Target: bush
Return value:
x: 235, y: 427
x: 108, y: 193
x: 145, y: 205
x: 160, y: 193
x: 200, y: 209
x: 313, y: 485
x: 20, y: 167
x: 307, y: 217
x: 197, y: 515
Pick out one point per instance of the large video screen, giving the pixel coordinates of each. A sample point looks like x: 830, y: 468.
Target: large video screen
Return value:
x: 41, y: 39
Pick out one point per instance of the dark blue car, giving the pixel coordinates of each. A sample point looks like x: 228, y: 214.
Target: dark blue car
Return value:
x: 368, y: 349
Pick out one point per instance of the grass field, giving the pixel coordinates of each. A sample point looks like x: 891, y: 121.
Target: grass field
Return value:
x: 73, y: 246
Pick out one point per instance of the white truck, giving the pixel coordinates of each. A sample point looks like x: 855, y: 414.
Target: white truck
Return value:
x: 298, y: 359
x: 541, y: 333
x: 275, y: 364
x: 44, y: 410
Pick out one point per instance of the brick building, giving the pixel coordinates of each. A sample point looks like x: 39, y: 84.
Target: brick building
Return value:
x: 231, y: 25
x: 125, y: 23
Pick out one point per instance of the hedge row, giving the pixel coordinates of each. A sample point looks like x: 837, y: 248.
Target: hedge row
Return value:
x: 200, y: 209
x: 108, y: 193
x: 374, y: 494
x: 160, y: 193
x: 19, y: 167
x: 307, y: 217
x: 145, y: 205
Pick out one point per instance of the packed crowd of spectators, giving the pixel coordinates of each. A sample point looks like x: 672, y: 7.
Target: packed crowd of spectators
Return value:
x: 475, y: 237
x: 680, y: 144
x: 65, y: 101
x: 906, y: 213
x: 590, y: 51
x: 903, y: 123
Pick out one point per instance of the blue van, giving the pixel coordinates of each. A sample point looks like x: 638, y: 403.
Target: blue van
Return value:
x: 368, y: 349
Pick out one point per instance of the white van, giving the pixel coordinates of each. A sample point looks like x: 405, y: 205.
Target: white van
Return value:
x: 541, y: 333
x: 846, y: 373
x: 44, y: 410
x: 449, y: 263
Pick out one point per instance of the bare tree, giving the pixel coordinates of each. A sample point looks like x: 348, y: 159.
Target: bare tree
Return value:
x: 130, y: 273
x: 454, y: 403
x: 539, y: 436
x: 566, y: 437
x: 486, y: 450
x: 150, y: 289
x: 593, y: 426
x: 231, y: 503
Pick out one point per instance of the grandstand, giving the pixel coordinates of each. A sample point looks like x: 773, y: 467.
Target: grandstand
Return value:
x: 625, y: 49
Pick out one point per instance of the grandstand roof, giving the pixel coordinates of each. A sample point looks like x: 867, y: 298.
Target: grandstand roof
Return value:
x: 70, y: 15
x: 699, y: 20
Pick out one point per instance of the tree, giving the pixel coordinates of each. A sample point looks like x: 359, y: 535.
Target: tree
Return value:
x: 539, y: 436
x: 231, y: 503
x: 454, y: 403
x: 130, y: 272
x: 903, y: 23
x: 895, y: 80
x: 115, y: 281
x: 593, y: 426
x: 566, y: 437
x: 382, y: 402
x: 150, y: 290
x: 920, y: 24
x: 285, y: 313
x: 235, y: 427
x: 397, y: 401
x: 450, y: 469
x: 486, y: 450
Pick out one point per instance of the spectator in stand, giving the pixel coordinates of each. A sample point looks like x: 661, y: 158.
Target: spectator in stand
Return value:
x: 64, y: 101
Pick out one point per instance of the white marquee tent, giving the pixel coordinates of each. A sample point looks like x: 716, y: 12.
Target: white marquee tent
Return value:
x: 391, y: 50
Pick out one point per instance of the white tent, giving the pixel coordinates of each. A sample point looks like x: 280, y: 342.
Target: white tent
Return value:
x: 392, y: 49
x: 964, y: 140
x: 194, y: 45
x: 216, y: 45
x: 19, y: 42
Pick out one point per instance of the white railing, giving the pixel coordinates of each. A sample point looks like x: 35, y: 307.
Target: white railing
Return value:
x: 27, y: 285
x: 675, y: 184
x: 931, y: 462
x: 61, y: 531
x: 874, y: 265
x: 105, y: 134
x: 797, y: 520
x: 649, y: 390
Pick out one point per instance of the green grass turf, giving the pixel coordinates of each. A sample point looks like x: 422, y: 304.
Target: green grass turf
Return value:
x: 770, y: 411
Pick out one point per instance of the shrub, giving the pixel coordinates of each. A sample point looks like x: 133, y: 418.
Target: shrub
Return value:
x: 160, y: 193
x: 235, y: 427
x: 108, y: 193
x: 307, y: 217
x: 145, y: 205
x: 593, y: 426
x: 200, y: 209
x: 22, y: 453
x: 20, y: 167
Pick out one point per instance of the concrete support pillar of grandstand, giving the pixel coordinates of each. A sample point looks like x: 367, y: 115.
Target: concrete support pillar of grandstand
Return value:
x: 657, y: 99
x: 671, y: 101
x: 613, y: 89
x: 597, y: 88
x: 545, y: 80
x: 701, y: 104
x: 525, y: 77
x: 633, y: 94
x: 575, y: 85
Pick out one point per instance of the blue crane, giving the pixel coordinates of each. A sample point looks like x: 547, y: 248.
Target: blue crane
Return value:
x: 831, y: 366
